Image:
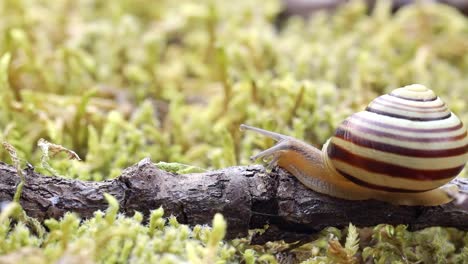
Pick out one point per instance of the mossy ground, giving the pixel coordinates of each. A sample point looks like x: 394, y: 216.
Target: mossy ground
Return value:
x: 121, y: 80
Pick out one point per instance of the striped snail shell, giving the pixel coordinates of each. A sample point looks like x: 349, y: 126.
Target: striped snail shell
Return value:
x: 405, y: 141
x: 404, y: 149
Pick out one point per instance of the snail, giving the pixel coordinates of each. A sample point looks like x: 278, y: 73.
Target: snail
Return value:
x: 404, y: 148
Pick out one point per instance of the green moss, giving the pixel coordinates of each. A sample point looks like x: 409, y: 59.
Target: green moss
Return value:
x: 123, y: 80
x: 110, y: 237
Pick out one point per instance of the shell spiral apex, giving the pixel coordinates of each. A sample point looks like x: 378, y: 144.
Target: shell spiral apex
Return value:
x: 417, y: 92
x: 405, y: 141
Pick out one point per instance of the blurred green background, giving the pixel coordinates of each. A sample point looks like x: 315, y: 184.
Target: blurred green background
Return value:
x: 121, y: 80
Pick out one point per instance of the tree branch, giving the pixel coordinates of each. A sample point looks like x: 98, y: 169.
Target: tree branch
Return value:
x: 248, y: 197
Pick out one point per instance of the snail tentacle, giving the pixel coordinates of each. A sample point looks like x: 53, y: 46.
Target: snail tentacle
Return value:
x: 273, y: 162
x: 270, y: 134
x: 282, y: 145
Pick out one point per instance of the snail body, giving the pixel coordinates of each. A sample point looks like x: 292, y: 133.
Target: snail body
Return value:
x: 404, y: 149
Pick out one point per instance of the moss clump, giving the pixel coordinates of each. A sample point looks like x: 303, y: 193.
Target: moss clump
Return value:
x: 109, y: 237
x: 386, y: 244
x: 122, y: 80
x: 113, y: 238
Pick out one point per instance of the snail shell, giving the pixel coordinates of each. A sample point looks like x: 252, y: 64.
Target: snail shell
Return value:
x: 402, y: 149
x: 405, y: 141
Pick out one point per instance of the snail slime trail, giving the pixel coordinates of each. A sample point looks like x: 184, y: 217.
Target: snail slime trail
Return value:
x: 404, y: 148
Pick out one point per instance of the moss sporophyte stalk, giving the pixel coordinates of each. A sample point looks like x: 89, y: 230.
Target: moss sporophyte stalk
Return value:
x: 119, y: 81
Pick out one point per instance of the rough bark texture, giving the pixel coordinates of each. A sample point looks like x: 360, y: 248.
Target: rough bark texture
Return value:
x: 248, y: 197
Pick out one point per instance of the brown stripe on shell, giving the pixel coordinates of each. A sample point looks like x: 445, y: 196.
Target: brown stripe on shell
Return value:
x: 367, y: 130
x: 384, y: 98
x: 391, y: 170
x: 370, y: 109
x: 415, y: 109
x: 409, y: 129
x: 413, y: 99
x: 376, y: 187
x: 439, y: 153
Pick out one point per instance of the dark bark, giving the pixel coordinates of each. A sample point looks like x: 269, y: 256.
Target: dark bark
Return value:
x: 248, y: 197
x: 308, y: 7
